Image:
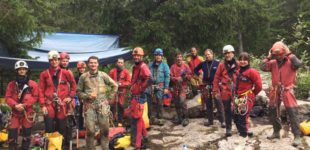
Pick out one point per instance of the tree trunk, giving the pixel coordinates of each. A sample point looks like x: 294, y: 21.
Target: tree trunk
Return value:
x: 240, y: 42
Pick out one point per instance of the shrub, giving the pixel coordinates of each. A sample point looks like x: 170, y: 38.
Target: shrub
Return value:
x: 303, y: 85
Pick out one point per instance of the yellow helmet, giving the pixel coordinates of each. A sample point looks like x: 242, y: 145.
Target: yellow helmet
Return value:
x: 138, y: 51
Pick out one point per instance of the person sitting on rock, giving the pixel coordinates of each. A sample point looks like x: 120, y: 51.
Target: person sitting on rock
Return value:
x: 248, y: 85
x: 283, y: 74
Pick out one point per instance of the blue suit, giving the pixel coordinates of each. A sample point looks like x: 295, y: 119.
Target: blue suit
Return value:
x: 160, y: 79
x: 209, y: 70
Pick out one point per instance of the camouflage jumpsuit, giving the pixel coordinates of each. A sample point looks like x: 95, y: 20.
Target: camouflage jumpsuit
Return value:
x: 96, y: 111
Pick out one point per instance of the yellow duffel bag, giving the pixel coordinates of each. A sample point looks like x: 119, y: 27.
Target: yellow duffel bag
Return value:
x: 305, y: 127
x: 145, y: 116
x: 3, y: 135
x: 54, y: 140
x: 2, y: 100
x: 123, y: 142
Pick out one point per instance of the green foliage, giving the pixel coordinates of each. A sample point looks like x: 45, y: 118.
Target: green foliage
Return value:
x: 36, y: 107
x: 305, y: 58
x: 256, y: 61
x: 22, y: 24
x: 303, y: 82
x: 5, y: 108
x: 169, y: 24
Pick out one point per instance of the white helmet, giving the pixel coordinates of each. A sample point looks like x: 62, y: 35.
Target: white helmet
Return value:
x: 228, y: 48
x: 21, y: 64
x: 53, y: 54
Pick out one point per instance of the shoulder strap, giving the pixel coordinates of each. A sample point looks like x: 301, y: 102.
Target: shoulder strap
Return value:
x: 58, y: 74
x: 22, y: 92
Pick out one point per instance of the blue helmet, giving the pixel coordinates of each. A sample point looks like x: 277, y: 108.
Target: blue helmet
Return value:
x: 158, y: 51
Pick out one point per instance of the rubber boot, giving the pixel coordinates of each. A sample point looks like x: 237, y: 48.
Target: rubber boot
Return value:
x: 275, y: 123
x: 220, y: 112
x: 161, y: 122
x: 13, y: 146
x: 228, y: 132
x: 90, y: 142
x: 177, y: 120
x: 12, y: 139
x: 185, y: 121
x: 179, y: 110
x: 293, y: 116
x: 209, y: 113
x: 104, y: 142
x: 223, y: 125
x: 228, y: 116
x: 26, y: 138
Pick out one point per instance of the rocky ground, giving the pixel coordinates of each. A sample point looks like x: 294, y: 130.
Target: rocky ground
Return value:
x: 196, y: 136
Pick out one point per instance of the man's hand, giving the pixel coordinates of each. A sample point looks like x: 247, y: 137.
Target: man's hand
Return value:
x: 269, y: 55
x: 166, y: 91
x: 93, y: 96
x: 67, y: 100
x: 215, y: 94
x: 44, y: 110
x: 196, y: 77
x: 19, y: 107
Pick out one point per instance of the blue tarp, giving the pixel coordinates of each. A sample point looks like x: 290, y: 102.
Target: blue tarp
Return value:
x: 79, y: 47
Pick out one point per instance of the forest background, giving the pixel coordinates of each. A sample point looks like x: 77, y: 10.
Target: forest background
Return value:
x: 249, y: 25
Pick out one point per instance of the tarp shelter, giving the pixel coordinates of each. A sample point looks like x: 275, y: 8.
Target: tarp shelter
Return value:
x: 78, y: 46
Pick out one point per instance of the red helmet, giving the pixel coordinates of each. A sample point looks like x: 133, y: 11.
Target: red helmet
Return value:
x: 64, y: 55
x: 81, y: 64
x: 279, y: 48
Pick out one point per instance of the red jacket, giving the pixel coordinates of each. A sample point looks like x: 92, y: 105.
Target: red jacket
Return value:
x: 66, y: 86
x: 247, y: 80
x: 177, y: 71
x: 283, y: 76
x: 140, y: 78
x: 124, y: 77
x: 193, y: 62
x: 31, y: 95
x: 286, y: 74
x: 222, y: 82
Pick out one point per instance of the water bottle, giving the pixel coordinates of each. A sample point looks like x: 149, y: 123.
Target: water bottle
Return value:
x: 184, y: 147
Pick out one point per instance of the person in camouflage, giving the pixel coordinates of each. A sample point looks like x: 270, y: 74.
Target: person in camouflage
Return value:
x: 92, y: 89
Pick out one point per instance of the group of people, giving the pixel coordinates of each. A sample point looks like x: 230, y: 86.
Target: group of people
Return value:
x: 231, y: 84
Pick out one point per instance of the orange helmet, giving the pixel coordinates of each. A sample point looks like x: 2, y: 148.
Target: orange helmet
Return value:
x: 64, y: 55
x: 138, y: 51
x: 279, y: 48
x: 81, y: 64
